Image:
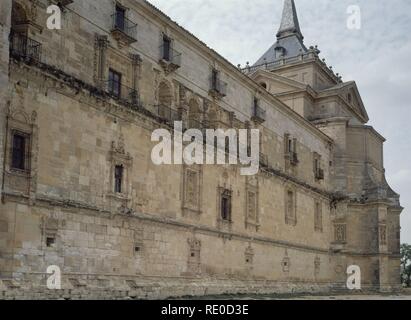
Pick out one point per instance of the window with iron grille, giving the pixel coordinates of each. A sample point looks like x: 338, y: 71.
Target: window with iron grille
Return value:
x: 19, y: 152
x: 118, y: 179
x: 120, y: 17
x: 166, y: 48
x: 226, y: 205
x: 114, y: 83
x: 214, y: 79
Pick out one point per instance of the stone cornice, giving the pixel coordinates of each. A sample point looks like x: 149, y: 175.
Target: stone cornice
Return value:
x: 66, y: 203
x: 371, y: 129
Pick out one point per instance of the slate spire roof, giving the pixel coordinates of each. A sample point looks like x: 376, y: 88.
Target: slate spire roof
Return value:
x: 289, y: 21
x: 289, y: 37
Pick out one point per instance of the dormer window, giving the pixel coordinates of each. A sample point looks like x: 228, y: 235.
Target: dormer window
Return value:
x: 279, y: 52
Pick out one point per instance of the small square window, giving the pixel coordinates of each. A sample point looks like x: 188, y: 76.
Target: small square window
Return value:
x: 50, y: 241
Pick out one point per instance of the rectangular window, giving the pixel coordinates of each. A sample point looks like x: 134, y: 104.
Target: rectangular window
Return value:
x: 226, y: 206
x: 316, y: 165
x: 318, y: 223
x: 19, y: 152
x: 290, y: 208
x: 118, y: 179
x: 290, y: 145
x: 114, y: 83
x: 214, y: 79
x: 50, y: 241
x: 256, y: 103
x: 290, y: 204
x: 120, y: 17
x: 166, y: 48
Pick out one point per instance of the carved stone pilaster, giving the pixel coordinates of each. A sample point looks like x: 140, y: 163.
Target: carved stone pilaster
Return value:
x: 101, y: 45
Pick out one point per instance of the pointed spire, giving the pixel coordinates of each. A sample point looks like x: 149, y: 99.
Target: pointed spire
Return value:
x: 289, y: 23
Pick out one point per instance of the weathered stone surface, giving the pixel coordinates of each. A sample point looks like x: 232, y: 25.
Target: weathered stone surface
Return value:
x: 163, y: 235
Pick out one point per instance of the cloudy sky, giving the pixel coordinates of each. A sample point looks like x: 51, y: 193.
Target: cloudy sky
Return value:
x: 377, y: 57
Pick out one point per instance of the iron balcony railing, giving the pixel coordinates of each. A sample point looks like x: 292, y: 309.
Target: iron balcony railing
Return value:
x: 293, y: 157
x: 167, y: 114
x: 170, y: 55
x: 259, y: 113
x: 218, y: 87
x: 126, y: 26
x: 263, y: 160
x: 319, y: 174
x: 23, y: 46
x: 121, y: 92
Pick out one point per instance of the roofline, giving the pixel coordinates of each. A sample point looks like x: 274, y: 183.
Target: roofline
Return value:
x: 214, y: 54
x: 370, y: 128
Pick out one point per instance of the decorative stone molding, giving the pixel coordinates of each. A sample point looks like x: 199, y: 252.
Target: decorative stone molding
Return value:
x: 192, y: 190
x: 252, y: 214
x: 224, y: 224
x: 100, y: 56
x: 382, y: 232
x: 119, y: 202
x: 340, y: 233
x: 249, y: 258
x: 290, y: 205
x: 286, y: 263
x: 20, y: 121
x: 194, y: 256
x: 25, y: 14
x: 317, y: 266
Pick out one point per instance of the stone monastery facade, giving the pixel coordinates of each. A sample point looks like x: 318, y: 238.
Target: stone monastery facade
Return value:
x: 79, y: 190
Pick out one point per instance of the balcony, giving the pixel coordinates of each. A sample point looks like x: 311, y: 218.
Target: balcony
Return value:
x: 123, y: 30
x: 293, y: 157
x: 167, y: 115
x: 122, y: 93
x: 218, y: 89
x: 259, y: 114
x: 319, y: 174
x: 170, y: 59
x: 24, y: 47
x: 264, y: 160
